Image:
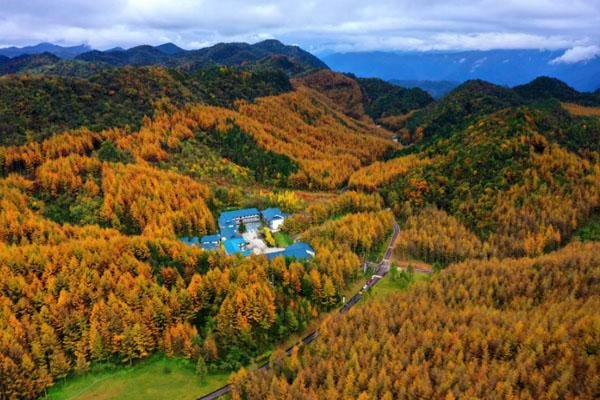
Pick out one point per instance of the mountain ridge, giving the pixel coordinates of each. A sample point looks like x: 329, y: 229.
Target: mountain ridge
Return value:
x: 231, y: 54
x: 66, y: 52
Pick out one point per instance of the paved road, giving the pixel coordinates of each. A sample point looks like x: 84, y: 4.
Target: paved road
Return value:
x: 383, y: 268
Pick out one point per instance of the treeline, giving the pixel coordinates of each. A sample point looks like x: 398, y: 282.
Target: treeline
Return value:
x: 522, y: 329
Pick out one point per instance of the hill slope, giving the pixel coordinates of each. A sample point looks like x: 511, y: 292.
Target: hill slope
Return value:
x: 521, y: 174
x: 366, y: 98
x: 41, y: 105
x: 479, y: 330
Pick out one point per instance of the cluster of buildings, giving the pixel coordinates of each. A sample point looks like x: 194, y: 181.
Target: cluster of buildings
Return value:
x: 239, y: 233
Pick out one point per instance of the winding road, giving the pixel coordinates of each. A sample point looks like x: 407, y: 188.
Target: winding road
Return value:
x: 382, y: 269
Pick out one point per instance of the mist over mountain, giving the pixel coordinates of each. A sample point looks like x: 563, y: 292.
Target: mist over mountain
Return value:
x: 503, y: 67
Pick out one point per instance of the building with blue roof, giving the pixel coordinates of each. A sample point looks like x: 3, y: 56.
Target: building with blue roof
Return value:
x: 210, y: 242
x: 234, y: 243
x: 274, y: 218
x: 298, y: 250
x: 237, y: 246
x: 229, y: 221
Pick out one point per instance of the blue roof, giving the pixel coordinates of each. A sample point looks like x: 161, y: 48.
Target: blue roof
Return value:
x: 190, y: 241
x: 227, y: 217
x: 210, y: 242
x: 229, y: 232
x: 210, y: 238
x: 234, y: 246
x: 270, y: 214
x: 299, y: 251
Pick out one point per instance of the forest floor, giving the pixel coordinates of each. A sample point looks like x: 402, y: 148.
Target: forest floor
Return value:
x: 158, y: 377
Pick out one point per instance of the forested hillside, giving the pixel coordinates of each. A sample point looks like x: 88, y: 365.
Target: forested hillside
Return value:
x: 364, y: 98
x: 523, y: 190
x: 35, y: 106
x: 523, y: 329
x: 93, y: 271
x: 477, y: 98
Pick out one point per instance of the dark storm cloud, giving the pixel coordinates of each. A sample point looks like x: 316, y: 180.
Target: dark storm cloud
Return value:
x: 332, y: 25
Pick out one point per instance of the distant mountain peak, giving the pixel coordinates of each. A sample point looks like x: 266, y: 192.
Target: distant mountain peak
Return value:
x: 169, y: 48
x: 269, y: 44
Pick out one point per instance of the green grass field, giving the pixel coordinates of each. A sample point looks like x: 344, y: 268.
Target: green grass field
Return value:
x: 390, y: 284
x: 156, y: 378
x: 282, y: 239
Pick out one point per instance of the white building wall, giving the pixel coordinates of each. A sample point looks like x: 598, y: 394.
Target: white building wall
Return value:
x: 276, y: 224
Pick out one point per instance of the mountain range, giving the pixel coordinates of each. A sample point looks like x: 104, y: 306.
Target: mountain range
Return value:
x: 503, y: 67
x: 81, y: 60
x: 433, y: 71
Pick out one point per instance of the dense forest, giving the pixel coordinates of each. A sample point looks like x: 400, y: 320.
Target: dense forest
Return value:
x: 105, y: 165
x: 521, y: 329
x: 34, y: 106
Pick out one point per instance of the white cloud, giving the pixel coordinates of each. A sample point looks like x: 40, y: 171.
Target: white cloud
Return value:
x: 578, y: 54
x: 318, y: 25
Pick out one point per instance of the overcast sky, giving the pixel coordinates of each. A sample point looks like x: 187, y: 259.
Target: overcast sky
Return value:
x: 318, y: 26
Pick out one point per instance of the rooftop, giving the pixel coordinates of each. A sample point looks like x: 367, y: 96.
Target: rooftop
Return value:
x: 270, y: 214
x: 227, y: 217
x: 210, y: 238
x: 236, y: 246
x: 299, y: 251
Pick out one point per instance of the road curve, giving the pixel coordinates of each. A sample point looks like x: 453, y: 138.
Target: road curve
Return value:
x: 382, y: 269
